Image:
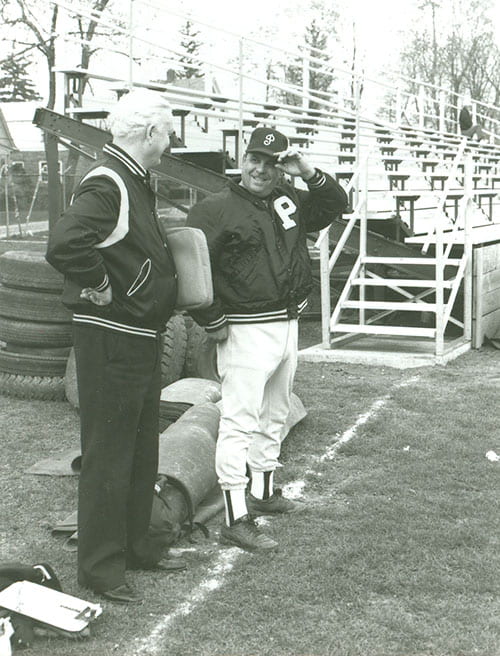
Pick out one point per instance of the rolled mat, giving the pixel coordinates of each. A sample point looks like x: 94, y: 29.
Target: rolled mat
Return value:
x: 192, y: 390
x: 187, y: 452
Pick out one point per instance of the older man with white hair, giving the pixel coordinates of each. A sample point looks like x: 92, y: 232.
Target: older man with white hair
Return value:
x: 120, y: 283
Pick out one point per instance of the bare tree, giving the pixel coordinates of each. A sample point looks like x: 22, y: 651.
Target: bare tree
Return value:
x: 455, y: 48
x: 34, y: 23
x: 21, y: 18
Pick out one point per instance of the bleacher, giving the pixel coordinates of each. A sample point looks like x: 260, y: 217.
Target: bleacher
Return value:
x: 420, y: 193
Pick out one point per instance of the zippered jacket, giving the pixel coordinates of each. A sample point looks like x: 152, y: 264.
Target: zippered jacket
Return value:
x: 110, y: 235
x: 260, y: 262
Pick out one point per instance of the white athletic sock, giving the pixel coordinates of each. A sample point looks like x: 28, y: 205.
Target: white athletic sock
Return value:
x: 235, y: 504
x: 262, y: 484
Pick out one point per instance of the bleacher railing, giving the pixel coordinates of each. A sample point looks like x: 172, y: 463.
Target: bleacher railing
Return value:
x: 401, y: 101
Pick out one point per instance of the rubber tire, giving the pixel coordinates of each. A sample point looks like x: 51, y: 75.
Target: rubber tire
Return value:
x: 29, y: 270
x: 172, y: 362
x: 32, y: 306
x: 201, y: 353
x: 27, y: 364
x: 33, y: 333
x: 46, y: 388
x: 196, y: 337
x: 174, y: 350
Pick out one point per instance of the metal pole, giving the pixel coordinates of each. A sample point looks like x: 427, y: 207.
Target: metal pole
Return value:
x: 53, y: 178
x: 363, y: 228
x: 6, y: 184
x: 326, y: 309
x: 131, y: 44
x: 468, y: 171
x: 305, y: 81
x: 421, y: 106
x: 240, y: 104
x: 398, y: 119
x: 442, y: 111
x: 357, y: 91
x: 439, y: 267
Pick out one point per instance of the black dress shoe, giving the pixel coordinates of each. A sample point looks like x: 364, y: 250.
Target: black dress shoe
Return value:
x: 164, y: 565
x: 123, y: 594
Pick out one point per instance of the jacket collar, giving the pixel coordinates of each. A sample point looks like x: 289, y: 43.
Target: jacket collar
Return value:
x: 132, y: 164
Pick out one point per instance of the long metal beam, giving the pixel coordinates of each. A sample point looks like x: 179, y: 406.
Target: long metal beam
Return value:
x: 89, y: 136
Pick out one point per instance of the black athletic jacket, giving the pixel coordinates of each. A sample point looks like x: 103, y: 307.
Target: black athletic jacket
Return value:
x: 110, y: 235
x: 260, y: 262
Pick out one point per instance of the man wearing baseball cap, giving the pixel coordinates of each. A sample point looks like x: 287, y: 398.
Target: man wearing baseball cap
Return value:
x: 256, y: 232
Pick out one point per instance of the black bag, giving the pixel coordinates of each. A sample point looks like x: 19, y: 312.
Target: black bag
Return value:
x: 169, y: 511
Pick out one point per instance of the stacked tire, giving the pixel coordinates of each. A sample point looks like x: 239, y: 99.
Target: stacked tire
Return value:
x: 172, y: 361
x: 36, y: 358
x: 35, y: 328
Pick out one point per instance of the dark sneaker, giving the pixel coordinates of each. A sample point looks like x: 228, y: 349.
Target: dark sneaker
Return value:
x: 245, y: 533
x: 277, y: 504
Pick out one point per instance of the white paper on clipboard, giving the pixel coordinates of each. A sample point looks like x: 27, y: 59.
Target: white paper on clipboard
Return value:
x: 51, y: 607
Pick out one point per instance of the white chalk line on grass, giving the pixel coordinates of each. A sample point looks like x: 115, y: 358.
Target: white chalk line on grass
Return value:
x: 216, y: 574
x: 362, y: 419
x: 227, y: 558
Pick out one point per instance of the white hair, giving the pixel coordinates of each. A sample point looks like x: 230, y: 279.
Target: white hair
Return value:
x: 136, y: 110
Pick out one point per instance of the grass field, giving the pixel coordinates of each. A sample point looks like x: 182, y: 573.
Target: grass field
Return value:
x: 395, y: 553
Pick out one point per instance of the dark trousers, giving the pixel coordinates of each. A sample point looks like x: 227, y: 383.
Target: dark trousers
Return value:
x: 119, y: 386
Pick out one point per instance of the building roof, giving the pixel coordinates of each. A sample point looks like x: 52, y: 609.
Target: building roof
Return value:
x: 6, y: 140
x: 16, y: 127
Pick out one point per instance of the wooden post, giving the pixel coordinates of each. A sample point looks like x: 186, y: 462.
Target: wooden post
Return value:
x: 53, y: 179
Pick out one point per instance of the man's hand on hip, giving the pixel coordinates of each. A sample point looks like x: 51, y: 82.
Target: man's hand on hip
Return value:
x: 97, y: 298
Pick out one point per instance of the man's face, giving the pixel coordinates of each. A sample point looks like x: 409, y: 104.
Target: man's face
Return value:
x: 259, y: 174
x: 159, y: 141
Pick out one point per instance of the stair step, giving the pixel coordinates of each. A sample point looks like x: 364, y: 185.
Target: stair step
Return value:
x: 382, y: 330
x: 399, y: 282
x: 408, y: 260
x: 390, y: 305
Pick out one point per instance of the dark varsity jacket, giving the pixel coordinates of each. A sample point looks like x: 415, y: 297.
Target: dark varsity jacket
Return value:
x: 110, y: 235
x: 260, y: 262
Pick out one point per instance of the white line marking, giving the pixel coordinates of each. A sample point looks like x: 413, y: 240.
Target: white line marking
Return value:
x: 227, y: 558
x: 362, y: 419
x: 215, y: 578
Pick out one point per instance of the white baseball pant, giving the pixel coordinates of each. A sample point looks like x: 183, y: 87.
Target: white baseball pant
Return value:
x: 257, y: 365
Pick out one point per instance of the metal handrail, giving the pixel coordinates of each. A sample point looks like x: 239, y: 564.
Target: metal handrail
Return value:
x: 323, y: 97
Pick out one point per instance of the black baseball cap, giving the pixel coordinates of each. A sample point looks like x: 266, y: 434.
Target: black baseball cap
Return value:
x: 267, y: 141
